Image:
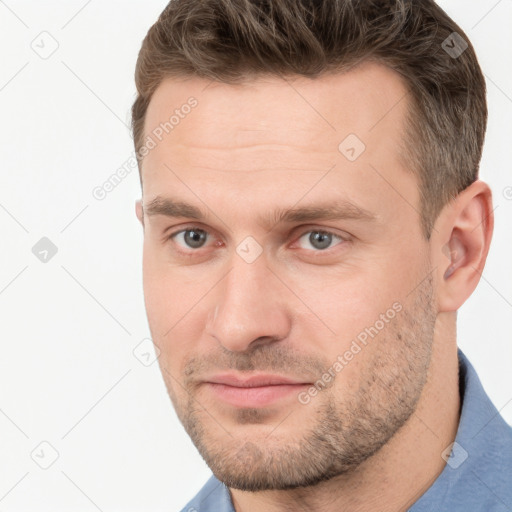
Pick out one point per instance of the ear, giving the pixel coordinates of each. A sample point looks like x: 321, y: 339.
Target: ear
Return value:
x: 139, y: 211
x: 461, y: 243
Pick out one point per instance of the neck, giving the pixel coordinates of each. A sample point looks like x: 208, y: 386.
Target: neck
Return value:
x: 395, y: 477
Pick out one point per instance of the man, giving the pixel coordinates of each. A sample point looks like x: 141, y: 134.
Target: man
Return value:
x: 313, y: 220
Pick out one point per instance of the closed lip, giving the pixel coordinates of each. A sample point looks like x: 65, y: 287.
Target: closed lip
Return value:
x: 253, y: 381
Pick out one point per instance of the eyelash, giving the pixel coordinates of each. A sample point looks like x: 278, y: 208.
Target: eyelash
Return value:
x: 197, y: 228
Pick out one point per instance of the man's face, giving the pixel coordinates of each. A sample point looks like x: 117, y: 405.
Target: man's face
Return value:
x: 340, y: 305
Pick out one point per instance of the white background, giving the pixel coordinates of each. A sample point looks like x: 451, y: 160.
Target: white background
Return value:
x: 68, y: 375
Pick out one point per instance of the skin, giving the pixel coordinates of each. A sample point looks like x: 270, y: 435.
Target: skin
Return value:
x: 372, y: 439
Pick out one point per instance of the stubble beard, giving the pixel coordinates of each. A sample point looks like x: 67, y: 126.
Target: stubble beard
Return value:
x: 345, y: 430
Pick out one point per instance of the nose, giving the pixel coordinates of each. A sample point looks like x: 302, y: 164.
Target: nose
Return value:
x: 249, y: 307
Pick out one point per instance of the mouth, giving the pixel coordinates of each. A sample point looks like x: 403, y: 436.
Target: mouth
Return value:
x: 255, y: 391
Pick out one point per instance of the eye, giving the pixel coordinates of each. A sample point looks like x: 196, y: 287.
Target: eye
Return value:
x: 194, y: 238
x: 320, y: 240
x: 190, y: 238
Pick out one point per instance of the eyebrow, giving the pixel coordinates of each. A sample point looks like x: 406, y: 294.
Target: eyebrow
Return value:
x: 339, y: 210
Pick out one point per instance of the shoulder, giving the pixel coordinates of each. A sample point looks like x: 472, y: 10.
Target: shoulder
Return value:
x: 212, y: 497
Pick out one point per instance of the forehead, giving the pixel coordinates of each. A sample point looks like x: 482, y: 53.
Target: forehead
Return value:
x: 309, y: 113
x: 290, y: 127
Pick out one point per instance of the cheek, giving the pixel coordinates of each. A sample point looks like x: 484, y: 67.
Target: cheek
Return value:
x: 363, y: 309
x: 164, y: 303
x: 176, y: 308
x: 167, y: 293
x: 347, y: 301
x: 158, y: 294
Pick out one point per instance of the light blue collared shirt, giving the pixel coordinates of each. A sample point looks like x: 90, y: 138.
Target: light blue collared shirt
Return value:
x: 478, y: 473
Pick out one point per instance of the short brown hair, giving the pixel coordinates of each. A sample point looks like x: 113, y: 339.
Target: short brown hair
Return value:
x: 233, y: 40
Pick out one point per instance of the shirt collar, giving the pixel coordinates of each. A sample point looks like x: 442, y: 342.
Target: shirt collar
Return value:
x: 478, y: 469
